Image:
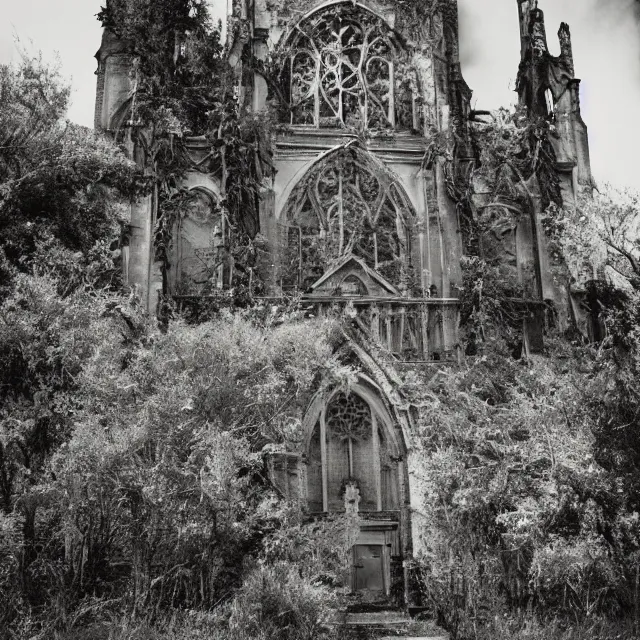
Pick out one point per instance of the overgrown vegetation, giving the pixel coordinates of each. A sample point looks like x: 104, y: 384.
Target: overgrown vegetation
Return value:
x: 62, y: 187
x: 521, y: 516
x: 530, y: 466
x: 134, y: 496
x: 184, y: 87
x: 132, y: 462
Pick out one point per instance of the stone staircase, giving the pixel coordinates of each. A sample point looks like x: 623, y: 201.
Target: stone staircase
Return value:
x: 384, y: 625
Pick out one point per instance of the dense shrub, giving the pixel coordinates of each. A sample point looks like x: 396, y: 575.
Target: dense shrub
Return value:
x: 133, y: 464
x: 521, y: 517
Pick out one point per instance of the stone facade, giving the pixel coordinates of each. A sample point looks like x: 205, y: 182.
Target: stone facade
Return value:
x: 359, y: 214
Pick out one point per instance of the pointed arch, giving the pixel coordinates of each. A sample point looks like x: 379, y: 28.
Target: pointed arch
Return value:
x: 198, y: 257
x: 340, y: 69
x: 351, y: 436
x: 347, y: 203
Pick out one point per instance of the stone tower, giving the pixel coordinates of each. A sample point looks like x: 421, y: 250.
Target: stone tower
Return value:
x: 373, y: 128
x: 547, y: 86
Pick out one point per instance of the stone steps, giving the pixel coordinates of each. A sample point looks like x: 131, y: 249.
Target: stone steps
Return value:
x: 384, y: 618
x: 385, y: 625
x: 445, y: 637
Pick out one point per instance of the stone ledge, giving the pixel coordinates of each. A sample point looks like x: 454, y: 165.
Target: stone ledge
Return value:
x: 441, y: 637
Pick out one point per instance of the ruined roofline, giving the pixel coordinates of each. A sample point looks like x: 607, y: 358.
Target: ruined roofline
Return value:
x: 533, y: 35
x: 548, y: 88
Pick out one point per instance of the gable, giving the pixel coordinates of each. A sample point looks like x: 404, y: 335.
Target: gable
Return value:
x: 351, y: 277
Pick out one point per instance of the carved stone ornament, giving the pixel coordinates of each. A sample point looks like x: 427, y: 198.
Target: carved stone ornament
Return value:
x: 345, y: 206
x: 349, y: 417
x: 341, y: 70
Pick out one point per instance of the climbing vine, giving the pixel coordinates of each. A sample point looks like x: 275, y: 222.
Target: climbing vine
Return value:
x: 184, y: 88
x: 512, y: 180
x: 428, y: 21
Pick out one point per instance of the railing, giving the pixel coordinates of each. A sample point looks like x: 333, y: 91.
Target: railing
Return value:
x: 409, y: 330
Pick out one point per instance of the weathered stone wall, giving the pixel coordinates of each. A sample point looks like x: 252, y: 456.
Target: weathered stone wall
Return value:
x: 114, y: 84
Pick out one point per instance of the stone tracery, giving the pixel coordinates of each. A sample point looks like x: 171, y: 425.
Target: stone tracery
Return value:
x: 342, y: 70
x: 345, y: 206
x: 350, y: 418
x: 356, y: 450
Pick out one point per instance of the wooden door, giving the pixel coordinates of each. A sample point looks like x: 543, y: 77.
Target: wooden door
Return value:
x: 369, y: 568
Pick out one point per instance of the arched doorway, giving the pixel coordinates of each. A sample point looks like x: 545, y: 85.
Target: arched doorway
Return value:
x: 353, y: 446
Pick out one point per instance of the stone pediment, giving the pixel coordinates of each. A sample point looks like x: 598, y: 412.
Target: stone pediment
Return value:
x: 352, y: 278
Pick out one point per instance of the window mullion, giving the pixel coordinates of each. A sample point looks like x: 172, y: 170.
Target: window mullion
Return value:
x: 316, y: 93
x: 291, y: 61
x: 340, y: 215
x: 392, y: 102
x: 375, y: 250
x: 323, y: 458
x: 376, y: 460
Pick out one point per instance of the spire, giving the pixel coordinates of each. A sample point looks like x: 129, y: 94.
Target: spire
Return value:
x: 566, y: 49
x: 532, y: 81
x: 548, y: 88
x: 526, y: 9
x: 533, y: 34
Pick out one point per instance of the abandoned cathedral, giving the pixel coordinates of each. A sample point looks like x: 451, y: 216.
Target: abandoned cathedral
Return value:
x: 373, y: 198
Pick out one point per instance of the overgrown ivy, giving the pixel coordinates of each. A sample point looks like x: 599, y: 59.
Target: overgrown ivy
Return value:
x: 514, y: 164
x: 418, y: 16
x: 184, y: 88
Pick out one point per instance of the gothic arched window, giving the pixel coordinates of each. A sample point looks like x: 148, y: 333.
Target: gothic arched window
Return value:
x: 199, y: 258
x: 356, y: 450
x: 346, y: 205
x: 341, y: 70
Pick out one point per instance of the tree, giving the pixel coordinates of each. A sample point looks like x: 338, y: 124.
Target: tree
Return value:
x: 63, y: 196
x: 45, y: 341
x: 600, y: 237
x: 63, y: 188
x: 599, y: 241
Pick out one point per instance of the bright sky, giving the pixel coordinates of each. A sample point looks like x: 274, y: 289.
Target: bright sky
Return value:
x: 606, y: 42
